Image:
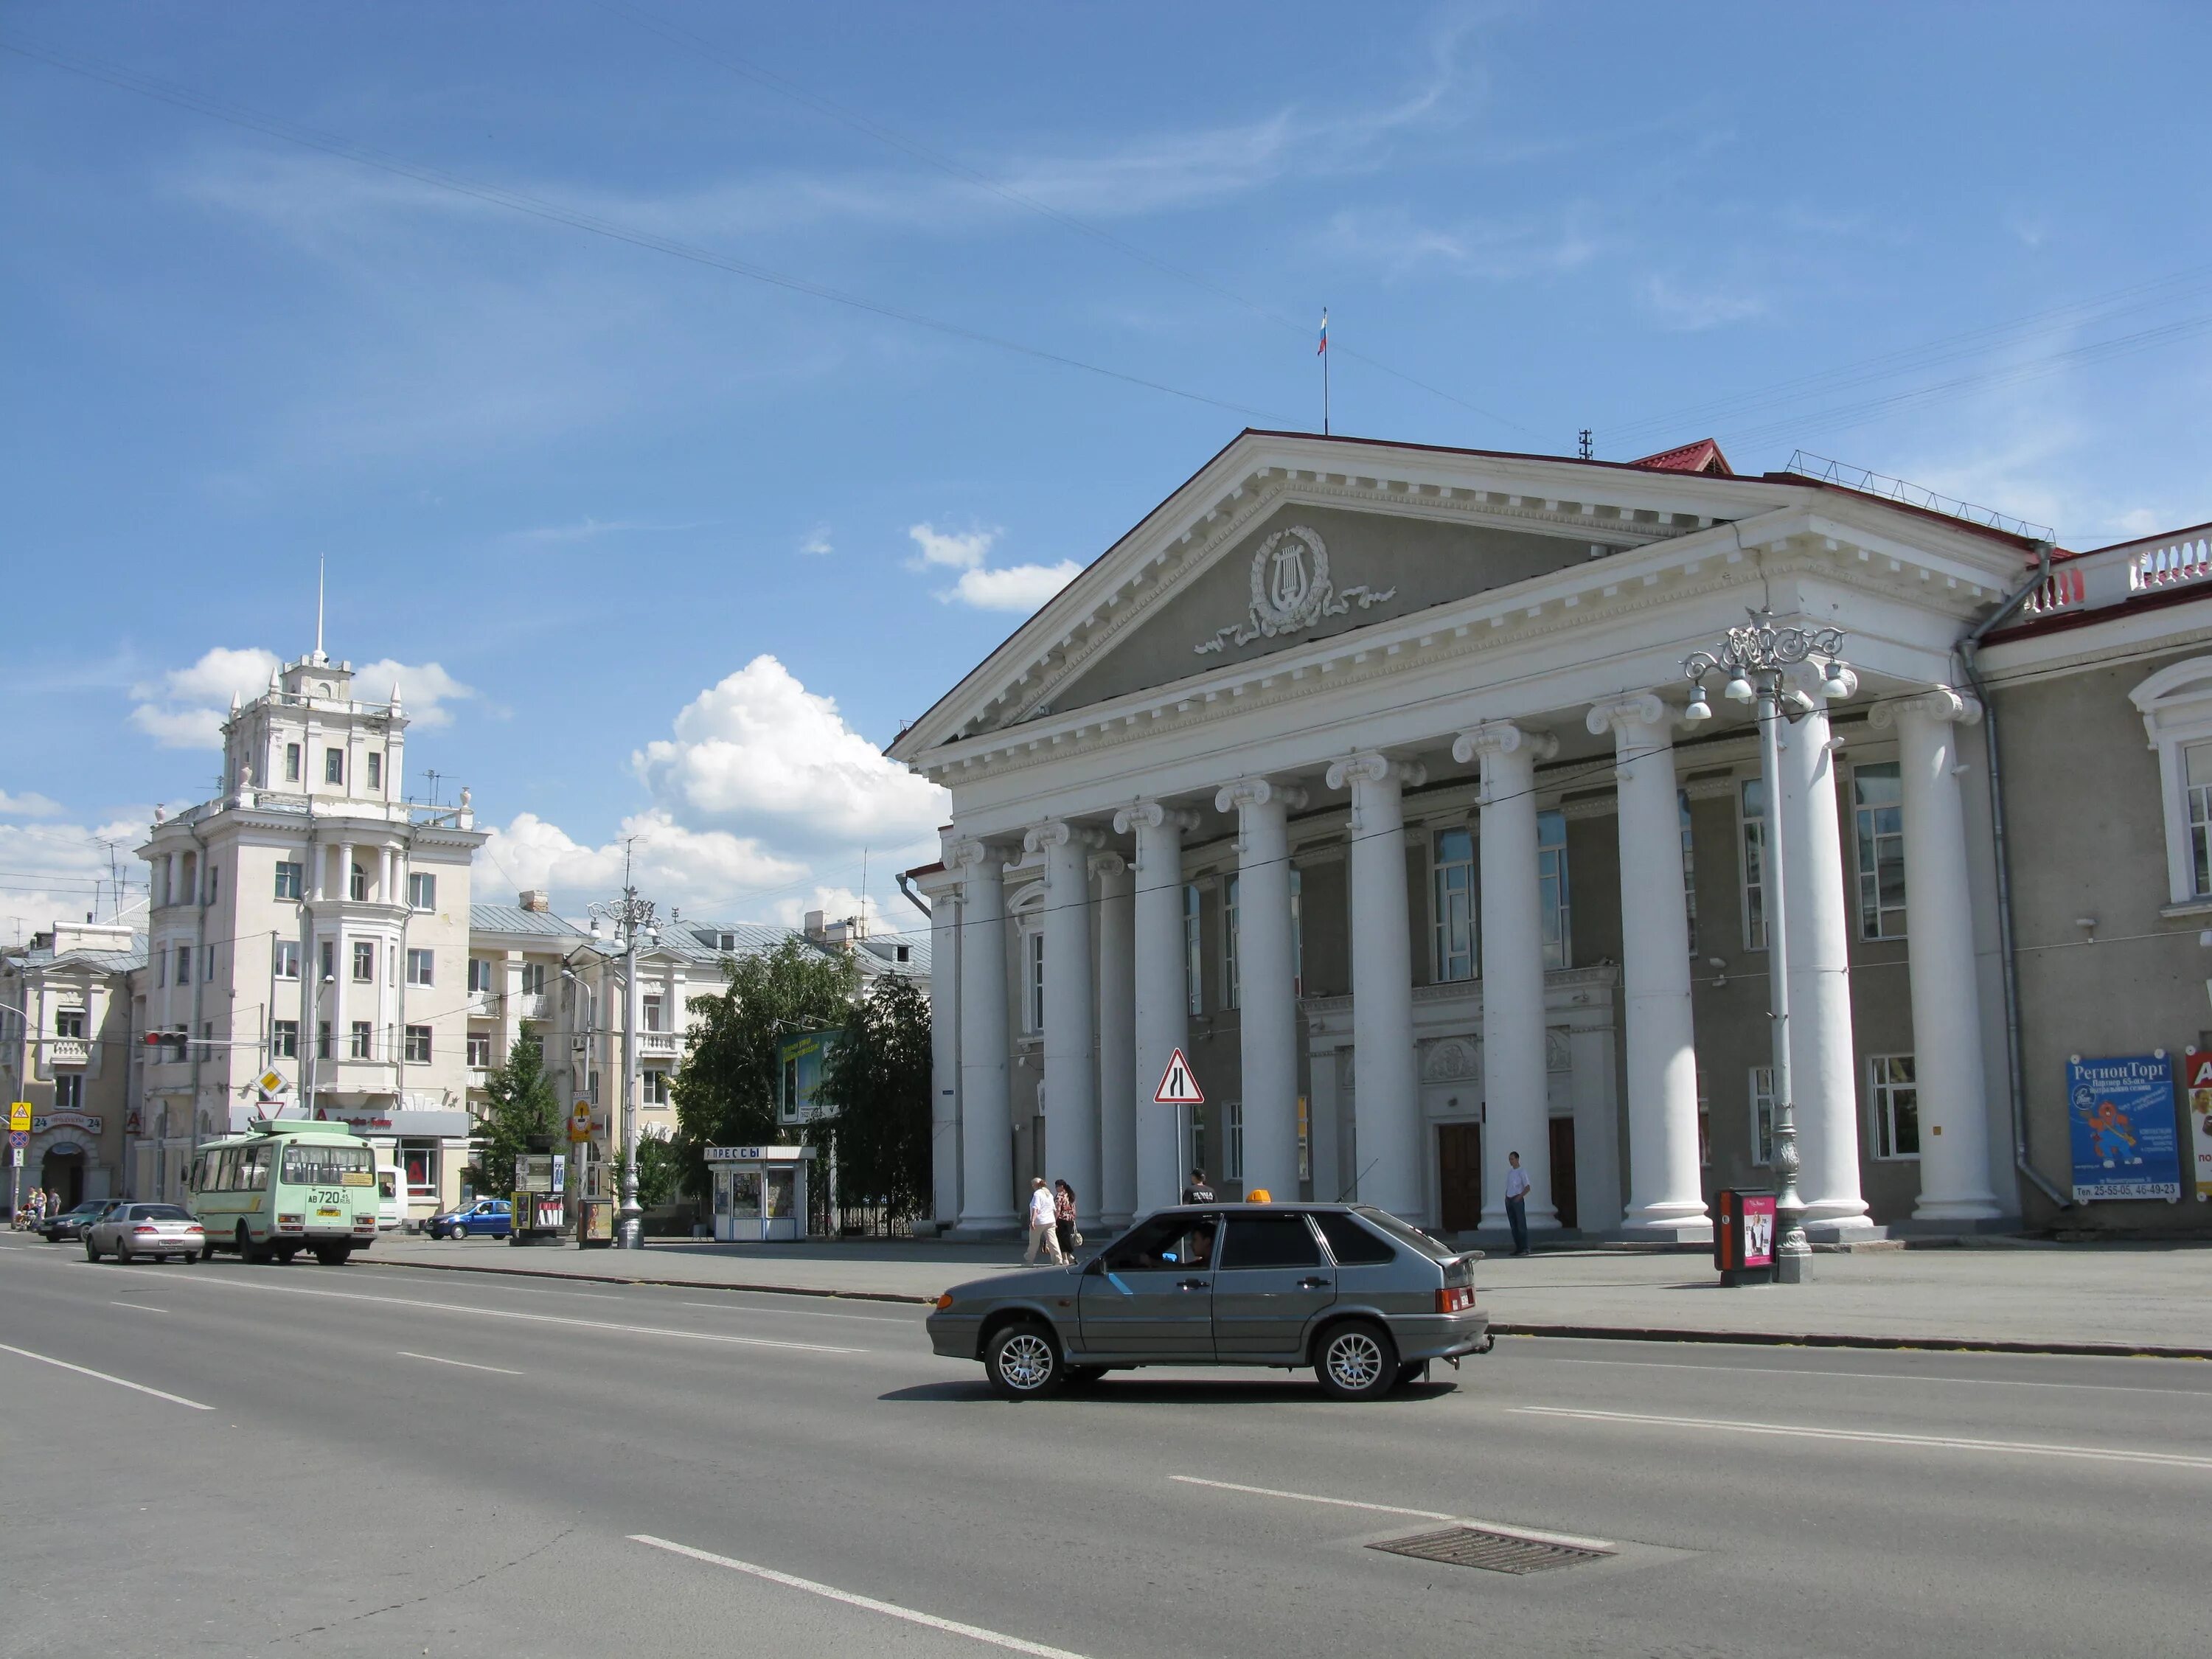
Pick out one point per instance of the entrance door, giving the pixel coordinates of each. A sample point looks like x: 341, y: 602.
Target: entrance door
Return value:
x: 1563, y: 1169
x: 63, y: 1174
x: 1459, y: 1174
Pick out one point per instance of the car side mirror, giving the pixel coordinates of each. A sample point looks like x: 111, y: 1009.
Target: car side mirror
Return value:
x: 1095, y: 1269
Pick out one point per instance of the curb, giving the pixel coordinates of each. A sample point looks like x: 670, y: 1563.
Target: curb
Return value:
x: 640, y: 1279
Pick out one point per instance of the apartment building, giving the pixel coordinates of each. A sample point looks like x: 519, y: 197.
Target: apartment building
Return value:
x: 65, y: 1047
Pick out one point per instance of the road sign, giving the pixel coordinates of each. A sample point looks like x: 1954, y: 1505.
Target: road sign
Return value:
x: 1177, y: 1086
x: 19, y: 1137
x: 579, y: 1122
x: 15, y: 1158
x: 269, y: 1083
x: 19, y: 1117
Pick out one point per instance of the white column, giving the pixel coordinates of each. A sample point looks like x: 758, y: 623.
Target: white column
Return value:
x: 1381, y: 985
x: 1267, y: 989
x: 1162, y: 1000
x: 1939, y: 945
x: 1071, y: 1076
x: 1515, y: 1078
x: 945, y: 1003
x: 1665, y: 1195
x: 987, y: 1122
x: 1823, y: 1073
x: 1117, y: 1041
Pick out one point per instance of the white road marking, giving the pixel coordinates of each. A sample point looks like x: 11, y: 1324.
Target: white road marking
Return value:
x: 868, y: 1603
x: 1568, y: 1539
x: 143, y: 1307
x: 1871, y: 1436
x: 229, y: 1283
x: 437, y: 1359
x: 799, y: 1313
x: 120, y: 1383
x: 1723, y: 1369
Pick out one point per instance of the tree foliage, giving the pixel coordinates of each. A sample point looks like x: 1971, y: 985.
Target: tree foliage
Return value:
x: 875, y: 1089
x: 521, y: 1104
x: 726, y: 1090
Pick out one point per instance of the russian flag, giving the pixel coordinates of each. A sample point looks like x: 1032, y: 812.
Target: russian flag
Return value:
x: 1322, y: 349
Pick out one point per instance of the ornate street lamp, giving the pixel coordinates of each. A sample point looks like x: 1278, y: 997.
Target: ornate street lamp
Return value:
x: 1756, y: 659
x: 635, y: 929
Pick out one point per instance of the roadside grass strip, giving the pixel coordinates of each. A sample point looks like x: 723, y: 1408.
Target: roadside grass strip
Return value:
x: 866, y: 1603
x: 119, y: 1382
x: 1877, y: 1437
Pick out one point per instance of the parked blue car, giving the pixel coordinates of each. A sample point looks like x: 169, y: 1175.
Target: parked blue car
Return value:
x: 488, y: 1218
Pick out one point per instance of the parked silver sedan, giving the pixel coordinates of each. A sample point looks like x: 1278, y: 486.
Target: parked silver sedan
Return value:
x: 130, y: 1230
x: 1365, y: 1299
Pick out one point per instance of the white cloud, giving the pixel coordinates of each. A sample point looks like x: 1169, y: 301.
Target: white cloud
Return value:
x: 882, y: 906
x: 818, y: 542
x: 61, y: 870
x: 703, y: 872
x: 959, y: 550
x: 29, y: 805
x: 1500, y: 250
x: 187, y: 707
x: 1021, y: 587
x: 1691, y: 311
x: 588, y: 529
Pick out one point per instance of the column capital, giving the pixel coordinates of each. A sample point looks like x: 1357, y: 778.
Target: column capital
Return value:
x: 1373, y: 768
x: 970, y: 854
x: 1258, y: 792
x: 1635, y: 708
x: 1938, y: 702
x: 1503, y: 737
x: 1058, y: 832
x: 1152, y: 815
x: 1108, y: 864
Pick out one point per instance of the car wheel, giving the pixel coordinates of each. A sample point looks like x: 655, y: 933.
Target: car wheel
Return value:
x: 207, y: 1251
x: 1022, y: 1362
x: 1356, y: 1360
x: 248, y: 1250
x: 91, y: 1249
x: 122, y: 1252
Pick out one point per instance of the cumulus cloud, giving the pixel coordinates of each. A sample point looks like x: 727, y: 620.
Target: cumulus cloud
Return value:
x: 187, y: 707
x: 818, y: 542
x: 1021, y: 587
x: 703, y: 872
x: 27, y: 804
x: 61, y: 870
x: 886, y: 912
x: 957, y: 550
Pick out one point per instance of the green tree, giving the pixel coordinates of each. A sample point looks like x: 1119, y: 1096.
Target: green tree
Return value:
x: 522, y: 1104
x: 875, y: 1089
x: 660, y: 1169
x: 726, y: 1090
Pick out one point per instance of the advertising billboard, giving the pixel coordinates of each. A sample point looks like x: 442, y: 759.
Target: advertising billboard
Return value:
x: 2197, y: 1107
x: 2120, y: 1112
x: 803, y: 1058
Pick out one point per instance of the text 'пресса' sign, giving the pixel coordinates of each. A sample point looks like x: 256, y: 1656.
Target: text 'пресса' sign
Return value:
x: 2120, y: 1112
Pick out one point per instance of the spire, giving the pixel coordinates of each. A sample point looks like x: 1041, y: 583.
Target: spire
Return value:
x: 320, y: 658
x: 233, y: 702
x: 395, y: 697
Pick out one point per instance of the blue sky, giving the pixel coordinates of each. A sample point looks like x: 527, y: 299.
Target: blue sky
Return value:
x: 573, y: 491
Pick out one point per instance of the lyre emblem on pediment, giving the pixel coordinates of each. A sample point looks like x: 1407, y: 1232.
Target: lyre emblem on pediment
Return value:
x: 1290, y: 593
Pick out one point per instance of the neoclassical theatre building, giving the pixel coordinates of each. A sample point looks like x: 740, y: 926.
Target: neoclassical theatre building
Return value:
x: 1359, y: 772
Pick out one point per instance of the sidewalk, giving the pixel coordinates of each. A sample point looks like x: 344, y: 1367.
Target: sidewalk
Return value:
x: 2038, y: 1298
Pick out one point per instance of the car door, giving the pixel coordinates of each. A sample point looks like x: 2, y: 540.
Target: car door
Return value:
x: 1271, y: 1284
x: 482, y: 1218
x: 1150, y: 1295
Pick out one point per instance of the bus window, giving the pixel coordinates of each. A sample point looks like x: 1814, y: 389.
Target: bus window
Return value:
x: 252, y: 1170
x: 327, y: 1166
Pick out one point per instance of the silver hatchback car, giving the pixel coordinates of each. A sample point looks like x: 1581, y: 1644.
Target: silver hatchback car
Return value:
x: 1365, y: 1299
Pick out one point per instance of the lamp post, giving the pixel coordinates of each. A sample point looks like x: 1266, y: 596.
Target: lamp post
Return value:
x: 635, y: 929
x: 1757, y: 658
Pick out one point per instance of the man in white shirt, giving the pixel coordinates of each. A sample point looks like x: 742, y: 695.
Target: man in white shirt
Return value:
x: 1041, y: 1224
x: 1517, y: 1202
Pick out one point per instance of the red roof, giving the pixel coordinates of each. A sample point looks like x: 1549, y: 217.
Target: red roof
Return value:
x: 1703, y: 456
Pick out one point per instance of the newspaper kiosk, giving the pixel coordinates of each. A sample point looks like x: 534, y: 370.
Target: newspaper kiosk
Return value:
x: 760, y: 1192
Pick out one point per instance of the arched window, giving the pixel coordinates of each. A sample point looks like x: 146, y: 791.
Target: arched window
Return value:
x: 2176, y: 705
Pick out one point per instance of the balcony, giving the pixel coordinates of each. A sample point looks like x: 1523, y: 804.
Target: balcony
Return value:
x: 658, y: 1045
x: 67, y: 1051
x: 2131, y: 570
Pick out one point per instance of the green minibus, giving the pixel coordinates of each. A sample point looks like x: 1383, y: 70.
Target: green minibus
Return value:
x: 283, y: 1186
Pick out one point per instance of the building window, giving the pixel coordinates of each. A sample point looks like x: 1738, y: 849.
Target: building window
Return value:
x: 214, y: 881
x: 1705, y: 1123
x: 291, y: 762
x: 1297, y: 934
x: 330, y: 959
x: 418, y: 1045
x: 1232, y: 1140
x: 286, y: 959
x: 533, y: 979
x: 69, y: 1091
x: 357, y: 884
x: 290, y: 879
x: 1231, y: 983
x: 68, y: 1022
x: 1896, y: 1101
x: 1033, y: 978
x: 653, y: 1086
x: 1876, y: 793
x: 1762, y: 1115
x: 1552, y: 898
x: 479, y: 1050
x: 651, y: 1012
x: 1197, y: 1138
x: 479, y: 975
x: 1752, y: 821
x: 2197, y: 763
x: 423, y: 892
x: 364, y: 962
x: 334, y: 766
x: 1689, y: 872
x: 1305, y: 1140
x: 161, y: 969
x: 285, y: 1040
x: 726, y: 942
x: 184, y: 964
x: 1194, y: 952
x: 418, y: 1165
x: 1452, y: 864
x: 420, y: 968
x: 207, y: 967
x: 323, y: 1040
x: 363, y: 1043
x: 375, y: 770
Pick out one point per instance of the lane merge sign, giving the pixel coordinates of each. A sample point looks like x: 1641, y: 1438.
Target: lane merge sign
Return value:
x: 1177, y: 1086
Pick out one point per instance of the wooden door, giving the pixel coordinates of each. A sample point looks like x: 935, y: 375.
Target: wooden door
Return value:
x: 1459, y: 1175
x: 1563, y: 1169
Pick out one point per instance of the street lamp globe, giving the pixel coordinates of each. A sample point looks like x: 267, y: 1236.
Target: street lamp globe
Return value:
x: 1738, y: 690
x: 1698, y: 708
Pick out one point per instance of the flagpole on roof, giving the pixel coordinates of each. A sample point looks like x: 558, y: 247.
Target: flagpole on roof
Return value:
x: 1323, y: 353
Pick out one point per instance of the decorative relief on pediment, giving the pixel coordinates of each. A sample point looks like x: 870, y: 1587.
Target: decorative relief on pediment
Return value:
x: 1290, y: 590
x: 1557, y: 1055
x: 1449, y: 1060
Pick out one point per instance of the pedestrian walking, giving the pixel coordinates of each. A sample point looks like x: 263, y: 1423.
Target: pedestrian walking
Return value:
x: 38, y: 1205
x: 1063, y: 1217
x: 1042, y: 1231
x: 1198, y: 1192
x: 1517, y: 1202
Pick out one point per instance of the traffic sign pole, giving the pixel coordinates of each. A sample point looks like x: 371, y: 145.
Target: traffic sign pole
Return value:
x: 19, y: 1136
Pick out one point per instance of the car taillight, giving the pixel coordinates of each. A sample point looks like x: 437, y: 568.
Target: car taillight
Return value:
x: 145, y: 1227
x: 1454, y: 1299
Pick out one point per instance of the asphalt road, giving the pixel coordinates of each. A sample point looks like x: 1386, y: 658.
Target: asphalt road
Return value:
x: 340, y: 1461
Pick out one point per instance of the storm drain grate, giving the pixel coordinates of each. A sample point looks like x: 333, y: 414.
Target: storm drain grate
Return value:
x: 1494, y: 1552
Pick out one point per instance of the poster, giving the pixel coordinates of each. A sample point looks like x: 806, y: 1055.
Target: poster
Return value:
x: 2196, y: 1106
x: 2120, y: 1113
x: 1758, y: 1230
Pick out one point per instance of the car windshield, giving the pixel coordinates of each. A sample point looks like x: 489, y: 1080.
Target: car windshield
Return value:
x: 1435, y: 1250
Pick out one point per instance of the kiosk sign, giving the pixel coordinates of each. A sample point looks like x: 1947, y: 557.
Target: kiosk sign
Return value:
x: 2120, y: 1109
x: 2196, y: 1104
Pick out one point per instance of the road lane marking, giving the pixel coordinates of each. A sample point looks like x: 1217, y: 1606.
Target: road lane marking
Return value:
x: 1568, y: 1539
x: 229, y: 1283
x: 868, y: 1603
x: 438, y: 1360
x: 119, y: 1382
x: 143, y: 1307
x: 1875, y: 1437
x: 1720, y: 1368
x: 799, y: 1313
